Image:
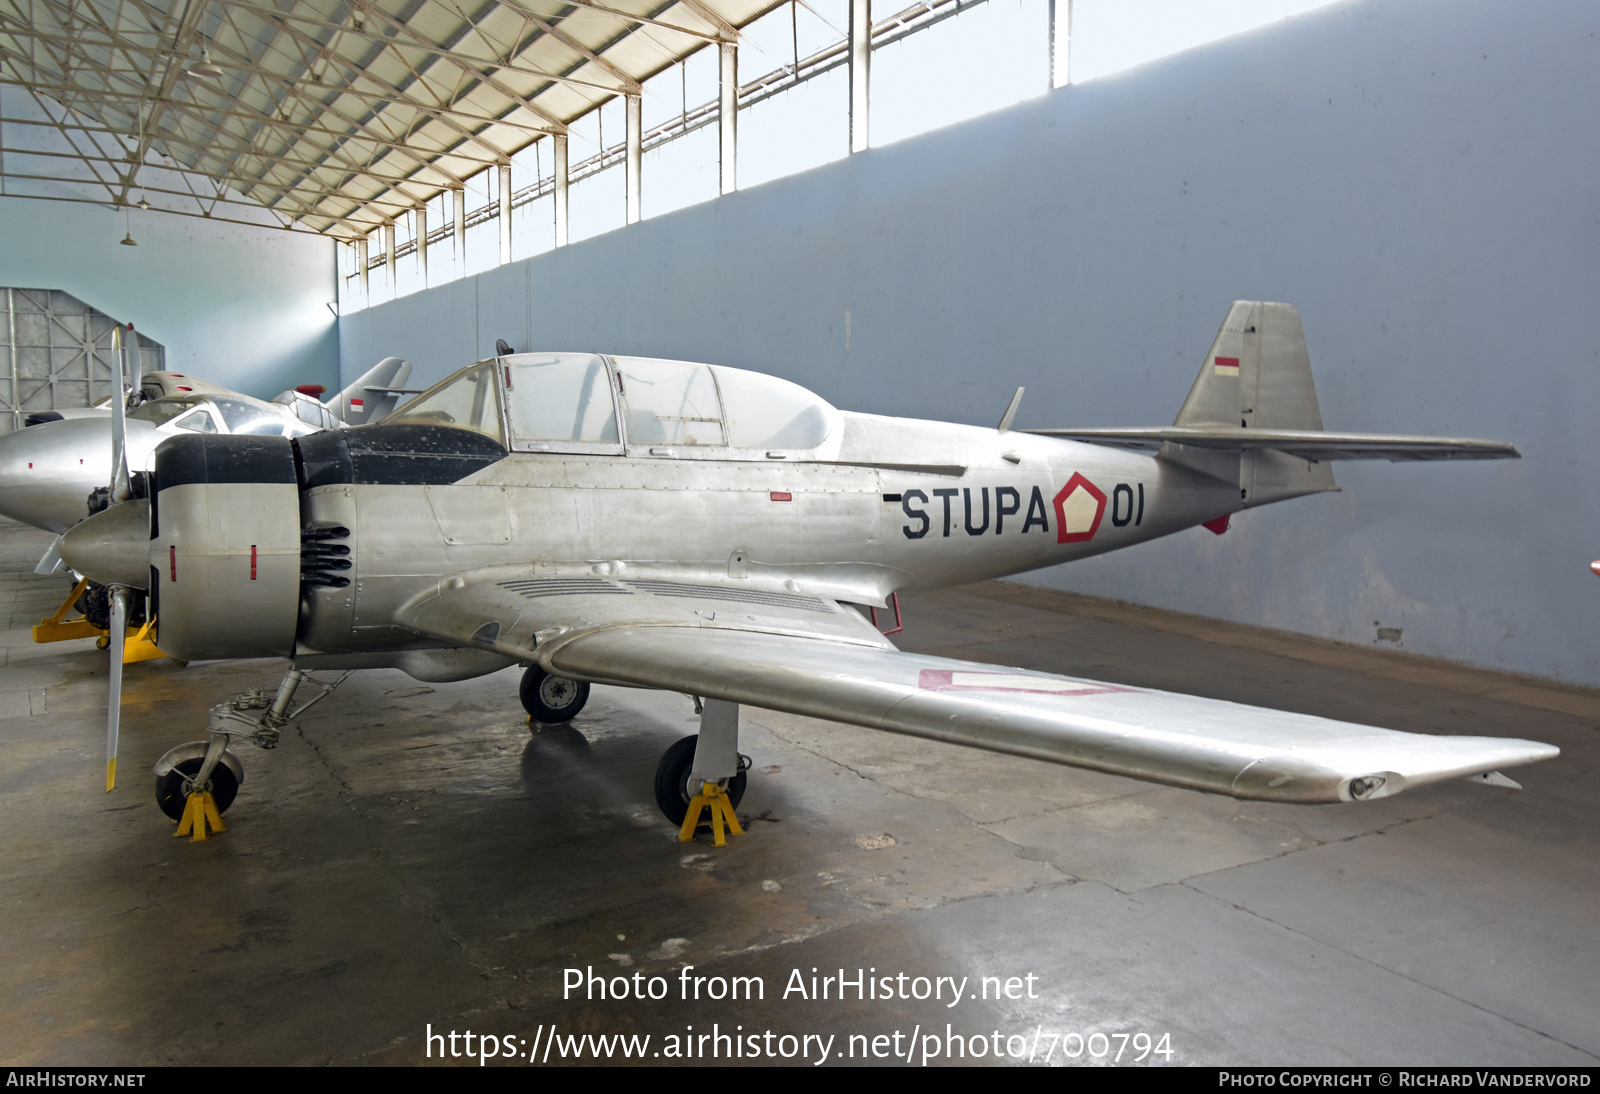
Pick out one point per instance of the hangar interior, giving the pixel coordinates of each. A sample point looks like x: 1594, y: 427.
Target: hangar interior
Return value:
x: 713, y: 182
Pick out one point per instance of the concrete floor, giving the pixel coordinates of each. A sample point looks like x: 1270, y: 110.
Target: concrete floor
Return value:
x: 411, y: 857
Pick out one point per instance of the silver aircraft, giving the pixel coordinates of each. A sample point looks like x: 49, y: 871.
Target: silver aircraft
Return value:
x: 705, y: 530
x: 49, y: 468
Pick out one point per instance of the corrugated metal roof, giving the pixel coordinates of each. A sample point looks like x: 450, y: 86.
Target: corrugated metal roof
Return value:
x: 339, y: 114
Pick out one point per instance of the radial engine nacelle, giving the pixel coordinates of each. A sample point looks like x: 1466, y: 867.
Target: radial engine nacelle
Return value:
x: 217, y: 546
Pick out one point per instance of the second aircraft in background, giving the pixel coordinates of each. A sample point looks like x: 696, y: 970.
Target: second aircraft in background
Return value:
x: 49, y: 468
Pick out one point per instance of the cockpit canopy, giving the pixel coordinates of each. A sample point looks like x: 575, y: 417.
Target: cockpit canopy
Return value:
x: 220, y: 414
x: 582, y: 402
x: 307, y: 409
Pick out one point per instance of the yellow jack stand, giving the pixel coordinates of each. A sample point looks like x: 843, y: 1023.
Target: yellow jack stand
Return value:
x: 199, y: 811
x: 58, y: 628
x: 137, y: 645
x: 714, y: 798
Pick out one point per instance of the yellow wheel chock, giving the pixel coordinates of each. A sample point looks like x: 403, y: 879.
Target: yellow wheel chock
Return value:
x: 137, y: 645
x: 714, y: 798
x: 198, y: 812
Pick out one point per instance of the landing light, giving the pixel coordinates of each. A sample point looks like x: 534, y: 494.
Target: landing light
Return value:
x: 1366, y: 787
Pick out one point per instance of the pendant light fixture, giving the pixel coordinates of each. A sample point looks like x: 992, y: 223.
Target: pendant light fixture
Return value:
x: 206, y: 69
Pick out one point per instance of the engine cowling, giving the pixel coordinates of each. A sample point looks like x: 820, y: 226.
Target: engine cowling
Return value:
x: 225, y: 547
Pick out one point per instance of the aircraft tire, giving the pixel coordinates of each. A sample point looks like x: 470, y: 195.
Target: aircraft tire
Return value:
x: 672, y: 781
x: 169, y: 787
x: 551, y: 699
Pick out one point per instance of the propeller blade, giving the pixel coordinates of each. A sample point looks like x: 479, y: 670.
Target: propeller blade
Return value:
x: 121, y: 490
x: 50, y: 562
x: 121, y: 484
x: 136, y: 374
x: 119, y: 635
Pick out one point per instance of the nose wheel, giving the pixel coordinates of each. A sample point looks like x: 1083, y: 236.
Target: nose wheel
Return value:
x: 552, y: 699
x: 173, y: 788
x: 195, y: 790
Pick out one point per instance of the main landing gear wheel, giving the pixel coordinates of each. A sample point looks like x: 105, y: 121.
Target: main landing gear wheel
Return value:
x: 672, y: 781
x: 552, y: 699
x: 169, y: 787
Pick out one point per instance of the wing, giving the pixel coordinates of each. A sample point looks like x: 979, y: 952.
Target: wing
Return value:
x: 807, y: 655
x: 1308, y: 444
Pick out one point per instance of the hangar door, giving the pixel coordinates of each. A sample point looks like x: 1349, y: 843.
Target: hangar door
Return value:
x: 55, y: 352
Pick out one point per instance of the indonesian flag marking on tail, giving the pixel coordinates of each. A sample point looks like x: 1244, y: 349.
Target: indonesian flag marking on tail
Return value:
x: 1227, y: 366
x: 357, y: 402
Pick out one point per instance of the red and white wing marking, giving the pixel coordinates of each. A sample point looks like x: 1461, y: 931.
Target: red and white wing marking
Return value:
x: 1019, y: 682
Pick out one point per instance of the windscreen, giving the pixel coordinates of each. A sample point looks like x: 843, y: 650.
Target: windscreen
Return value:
x: 199, y: 421
x: 467, y: 400
x: 162, y: 411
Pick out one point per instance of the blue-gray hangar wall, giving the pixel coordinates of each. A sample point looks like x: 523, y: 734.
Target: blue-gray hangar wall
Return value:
x: 1418, y: 176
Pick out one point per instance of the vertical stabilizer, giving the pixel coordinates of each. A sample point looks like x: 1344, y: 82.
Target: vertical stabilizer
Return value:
x: 374, y: 393
x: 1256, y: 376
x: 1258, y: 373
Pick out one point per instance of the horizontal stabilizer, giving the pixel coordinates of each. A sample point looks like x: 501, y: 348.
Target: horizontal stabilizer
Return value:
x: 1307, y: 444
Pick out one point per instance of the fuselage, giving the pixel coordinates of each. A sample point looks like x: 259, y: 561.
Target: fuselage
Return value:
x: 900, y: 504
x: 577, y: 466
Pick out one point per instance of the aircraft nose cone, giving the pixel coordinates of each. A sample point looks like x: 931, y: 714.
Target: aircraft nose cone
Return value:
x: 47, y: 471
x: 113, y: 546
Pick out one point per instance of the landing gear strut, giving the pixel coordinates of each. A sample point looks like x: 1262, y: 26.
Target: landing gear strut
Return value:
x: 551, y: 699
x: 198, y: 780
x: 705, y: 773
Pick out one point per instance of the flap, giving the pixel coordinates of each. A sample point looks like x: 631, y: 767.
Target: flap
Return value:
x: 516, y: 611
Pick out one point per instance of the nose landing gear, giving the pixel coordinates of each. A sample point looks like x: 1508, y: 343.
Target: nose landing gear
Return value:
x: 198, y: 780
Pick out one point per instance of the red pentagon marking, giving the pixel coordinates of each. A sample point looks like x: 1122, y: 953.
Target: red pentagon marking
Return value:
x: 1073, y: 522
